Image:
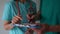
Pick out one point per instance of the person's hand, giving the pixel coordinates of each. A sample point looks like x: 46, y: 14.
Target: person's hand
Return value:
x: 16, y: 19
x: 8, y: 27
x: 43, y: 28
x: 32, y: 17
x: 10, y: 24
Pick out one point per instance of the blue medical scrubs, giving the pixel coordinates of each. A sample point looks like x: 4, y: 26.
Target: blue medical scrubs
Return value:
x: 10, y: 11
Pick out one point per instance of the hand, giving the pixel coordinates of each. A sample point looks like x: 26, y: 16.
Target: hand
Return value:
x: 8, y: 26
x: 16, y: 19
x: 32, y: 17
x: 42, y: 29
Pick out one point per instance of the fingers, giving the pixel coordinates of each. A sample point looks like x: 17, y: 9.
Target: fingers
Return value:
x: 33, y: 16
x: 16, y: 19
x: 42, y: 29
x: 19, y: 17
x: 38, y: 31
x: 28, y: 17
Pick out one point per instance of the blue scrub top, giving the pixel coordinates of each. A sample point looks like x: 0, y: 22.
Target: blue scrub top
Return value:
x: 10, y: 11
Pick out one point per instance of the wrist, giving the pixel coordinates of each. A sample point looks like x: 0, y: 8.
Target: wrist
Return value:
x: 12, y: 24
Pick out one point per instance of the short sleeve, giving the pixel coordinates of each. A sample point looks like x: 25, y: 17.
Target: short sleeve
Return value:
x: 7, y: 12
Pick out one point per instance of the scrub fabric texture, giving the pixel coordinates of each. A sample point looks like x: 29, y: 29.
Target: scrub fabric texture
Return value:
x: 50, y: 13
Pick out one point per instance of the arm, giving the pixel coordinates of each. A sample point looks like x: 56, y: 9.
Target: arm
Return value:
x: 54, y: 28
x: 7, y: 17
x: 48, y: 28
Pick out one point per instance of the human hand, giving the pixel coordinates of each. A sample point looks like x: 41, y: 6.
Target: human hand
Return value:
x: 16, y: 19
x: 30, y: 17
x: 43, y: 28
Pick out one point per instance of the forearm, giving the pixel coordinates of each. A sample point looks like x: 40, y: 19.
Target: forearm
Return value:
x: 54, y: 28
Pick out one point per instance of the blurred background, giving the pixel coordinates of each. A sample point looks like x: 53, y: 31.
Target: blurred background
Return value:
x: 2, y: 3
